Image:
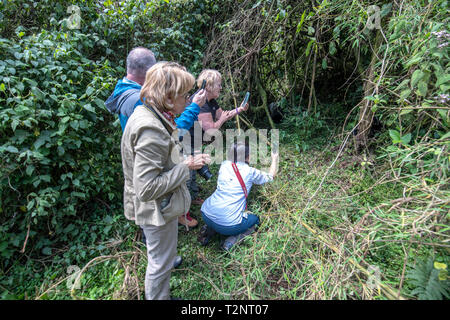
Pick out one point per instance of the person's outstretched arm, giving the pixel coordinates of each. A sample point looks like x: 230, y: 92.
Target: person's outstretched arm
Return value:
x: 222, y: 115
x: 190, y: 114
x: 274, y: 166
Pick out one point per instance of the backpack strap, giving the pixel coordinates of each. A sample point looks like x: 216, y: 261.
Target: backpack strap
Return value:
x: 241, y: 181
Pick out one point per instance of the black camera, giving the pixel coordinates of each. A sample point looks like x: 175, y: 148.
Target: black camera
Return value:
x: 204, y: 172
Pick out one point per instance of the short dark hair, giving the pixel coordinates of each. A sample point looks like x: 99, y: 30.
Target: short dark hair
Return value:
x: 139, y: 60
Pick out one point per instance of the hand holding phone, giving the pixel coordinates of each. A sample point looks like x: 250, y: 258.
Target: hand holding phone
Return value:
x: 244, y: 104
x: 200, y: 98
x: 247, y: 95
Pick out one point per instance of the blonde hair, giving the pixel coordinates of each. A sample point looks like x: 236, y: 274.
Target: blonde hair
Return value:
x: 211, y: 76
x: 165, y: 80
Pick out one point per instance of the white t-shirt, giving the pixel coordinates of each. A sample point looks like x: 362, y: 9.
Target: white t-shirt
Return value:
x: 227, y: 204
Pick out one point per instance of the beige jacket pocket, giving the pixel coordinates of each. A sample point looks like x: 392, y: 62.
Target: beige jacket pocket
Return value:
x: 179, y: 203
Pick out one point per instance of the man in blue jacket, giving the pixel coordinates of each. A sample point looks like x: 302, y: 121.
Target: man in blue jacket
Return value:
x: 126, y: 97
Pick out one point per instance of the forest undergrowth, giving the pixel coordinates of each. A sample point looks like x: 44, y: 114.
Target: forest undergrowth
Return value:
x: 326, y: 218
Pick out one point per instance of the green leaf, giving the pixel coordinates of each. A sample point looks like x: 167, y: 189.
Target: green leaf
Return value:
x: 422, y: 88
x: 79, y: 194
x: 43, y: 138
x: 442, y: 79
x: 30, y: 170
x: 413, y: 61
x: 75, y: 124
x: 406, y: 111
x: 302, y: 19
x: 47, y: 251
x: 332, y: 49
x: 65, y: 119
x: 370, y: 98
x: 395, y: 136
x: 14, y: 124
x: 405, y: 94
x: 308, y: 47
x: 2, y: 87
x: 443, y: 114
x: 89, y: 107
x: 20, y: 86
x: 12, y: 149
x: 416, y: 76
x: 445, y: 136
x: 45, y: 178
x: 406, y: 139
x: 89, y: 91
x: 100, y: 103
x: 402, y: 84
x: 385, y: 9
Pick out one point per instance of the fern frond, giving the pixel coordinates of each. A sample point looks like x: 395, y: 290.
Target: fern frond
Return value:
x: 424, y: 277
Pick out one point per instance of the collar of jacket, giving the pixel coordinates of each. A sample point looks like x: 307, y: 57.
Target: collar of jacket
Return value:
x: 166, y: 123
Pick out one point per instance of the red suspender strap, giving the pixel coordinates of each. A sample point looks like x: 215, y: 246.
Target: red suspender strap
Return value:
x: 238, y: 175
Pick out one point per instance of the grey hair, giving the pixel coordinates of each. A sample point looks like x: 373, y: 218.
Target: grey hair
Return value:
x: 139, y: 60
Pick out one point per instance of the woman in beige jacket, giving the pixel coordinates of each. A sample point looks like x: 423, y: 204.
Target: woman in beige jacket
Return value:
x: 155, y: 171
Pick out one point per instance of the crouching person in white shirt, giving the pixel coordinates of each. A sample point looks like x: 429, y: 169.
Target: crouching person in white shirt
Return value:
x: 225, y: 211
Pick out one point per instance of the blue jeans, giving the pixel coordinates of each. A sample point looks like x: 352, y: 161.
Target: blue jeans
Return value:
x: 251, y: 220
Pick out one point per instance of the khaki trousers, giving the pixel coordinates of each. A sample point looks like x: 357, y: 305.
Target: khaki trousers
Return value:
x: 161, y: 252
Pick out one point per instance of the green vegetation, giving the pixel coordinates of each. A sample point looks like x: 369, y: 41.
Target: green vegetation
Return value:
x: 363, y: 189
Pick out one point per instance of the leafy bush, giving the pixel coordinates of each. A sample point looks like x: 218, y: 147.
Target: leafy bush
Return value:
x: 58, y: 147
x: 174, y: 30
x: 60, y: 151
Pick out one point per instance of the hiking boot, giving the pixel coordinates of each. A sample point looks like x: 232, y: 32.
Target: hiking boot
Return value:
x: 177, y: 262
x: 187, y: 220
x: 229, y: 243
x: 232, y: 240
x: 206, y: 233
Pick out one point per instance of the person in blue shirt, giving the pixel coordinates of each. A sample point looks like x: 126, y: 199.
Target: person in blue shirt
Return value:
x: 126, y: 97
x: 225, y: 211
